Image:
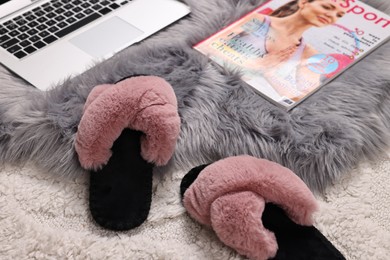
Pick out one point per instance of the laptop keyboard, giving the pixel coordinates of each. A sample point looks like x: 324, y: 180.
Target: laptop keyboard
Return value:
x: 43, y: 25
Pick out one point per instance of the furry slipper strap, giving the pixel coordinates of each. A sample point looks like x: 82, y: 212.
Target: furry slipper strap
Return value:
x: 231, y: 195
x: 245, y: 173
x: 125, y: 129
x: 144, y: 103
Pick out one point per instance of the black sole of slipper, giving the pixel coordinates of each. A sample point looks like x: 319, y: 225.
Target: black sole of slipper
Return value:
x: 120, y: 193
x: 297, y: 242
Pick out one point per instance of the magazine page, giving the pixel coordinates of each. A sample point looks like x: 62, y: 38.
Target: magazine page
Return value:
x: 287, y: 49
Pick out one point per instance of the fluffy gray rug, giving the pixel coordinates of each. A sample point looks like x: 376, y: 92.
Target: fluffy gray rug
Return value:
x: 324, y: 137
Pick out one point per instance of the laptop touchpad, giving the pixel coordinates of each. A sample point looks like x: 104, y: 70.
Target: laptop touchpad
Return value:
x: 107, y: 37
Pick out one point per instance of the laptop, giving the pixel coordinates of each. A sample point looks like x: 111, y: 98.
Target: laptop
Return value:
x: 45, y: 41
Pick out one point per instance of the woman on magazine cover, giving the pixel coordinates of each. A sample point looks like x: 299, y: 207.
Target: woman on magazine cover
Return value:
x: 280, y: 51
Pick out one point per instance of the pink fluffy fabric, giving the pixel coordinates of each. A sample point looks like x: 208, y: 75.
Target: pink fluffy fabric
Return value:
x: 230, y: 195
x: 144, y: 103
x: 236, y: 219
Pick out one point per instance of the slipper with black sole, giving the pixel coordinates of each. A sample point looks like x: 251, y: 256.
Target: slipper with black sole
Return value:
x: 126, y: 129
x: 257, y: 207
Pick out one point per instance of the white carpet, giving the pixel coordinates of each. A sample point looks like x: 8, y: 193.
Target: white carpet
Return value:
x: 43, y: 217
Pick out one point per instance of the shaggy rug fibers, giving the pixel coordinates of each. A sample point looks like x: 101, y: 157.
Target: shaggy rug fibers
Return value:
x: 324, y: 137
x: 44, y: 217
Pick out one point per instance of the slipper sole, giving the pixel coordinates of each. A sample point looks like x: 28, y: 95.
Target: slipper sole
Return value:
x: 120, y: 193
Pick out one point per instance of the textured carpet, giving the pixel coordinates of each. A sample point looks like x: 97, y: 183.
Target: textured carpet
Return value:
x: 43, y: 217
x: 324, y: 137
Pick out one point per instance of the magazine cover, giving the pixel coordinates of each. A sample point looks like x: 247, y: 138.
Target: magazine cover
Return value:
x: 286, y: 50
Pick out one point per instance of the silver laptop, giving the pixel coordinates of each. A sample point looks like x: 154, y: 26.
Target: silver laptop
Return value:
x: 45, y: 41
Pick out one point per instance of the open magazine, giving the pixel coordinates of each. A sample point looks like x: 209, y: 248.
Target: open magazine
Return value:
x: 286, y: 50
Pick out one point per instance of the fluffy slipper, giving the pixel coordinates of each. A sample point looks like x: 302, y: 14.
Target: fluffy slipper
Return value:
x: 125, y: 130
x: 232, y: 196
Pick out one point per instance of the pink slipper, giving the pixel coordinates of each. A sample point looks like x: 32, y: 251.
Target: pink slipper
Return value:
x: 230, y: 196
x: 126, y: 128
x: 257, y: 207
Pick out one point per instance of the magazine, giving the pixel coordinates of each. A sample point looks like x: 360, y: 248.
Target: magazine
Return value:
x: 286, y: 50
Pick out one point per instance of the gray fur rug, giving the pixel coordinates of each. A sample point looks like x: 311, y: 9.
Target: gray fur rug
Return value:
x: 321, y: 139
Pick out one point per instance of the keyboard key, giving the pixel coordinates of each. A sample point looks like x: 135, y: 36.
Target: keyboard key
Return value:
x: 23, y: 28
x: 20, y: 54
x: 48, y: 9
x: 4, y: 38
x: 59, y: 18
x: 77, y: 25
x: 3, y: 31
x: 87, y: 11
x: 41, y: 27
x: 71, y: 20
x: 43, y: 34
x: 27, y: 13
x: 22, y: 36
x: 68, y: 6
x: 105, y: 10
x: 9, y: 43
x: 31, y: 17
x: 13, y: 33
x: 51, y: 15
x: 24, y: 43
x: 68, y: 13
x: 79, y: 16
x: 32, y: 24
x: 62, y: 24
x: 8, y: 23
x: 14, y: 48
x: 42, y: 19
x: 53, y: 29
x: 32, y: 32
x: 20, y: 20
x: 34, y: 38
x: 114, y: 6
x: 77, y: 10
x: 85, y: 5
x: 19, y: 17
x: 59, y: 10
x: 30, y: 49
x: 57, y: 4
x: 39, y: 13
x: 51, y: 22
x: 50, y: 39
x: 97, y: 7
x: 39, y: 45
x: 12, y: 26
